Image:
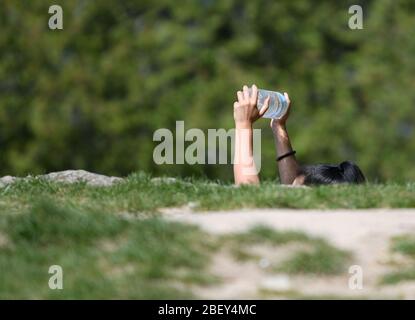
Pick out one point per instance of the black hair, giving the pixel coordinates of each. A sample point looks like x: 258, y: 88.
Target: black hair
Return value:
x: 345, y: 172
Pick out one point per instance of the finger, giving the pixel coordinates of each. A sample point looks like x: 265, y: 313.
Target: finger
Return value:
x: 240, y: 96
x: 288, y: 102
x: 287, y: 97
x: 235, y: 104
x: 265, y: 106
x: 246, y: 92
x: 254, y: 94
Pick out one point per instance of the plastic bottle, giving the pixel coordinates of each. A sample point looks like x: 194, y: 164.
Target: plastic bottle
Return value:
x: 278, y: 105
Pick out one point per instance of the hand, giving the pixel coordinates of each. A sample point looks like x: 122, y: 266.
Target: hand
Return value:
x: 245, y: 111
x: 275, y: 123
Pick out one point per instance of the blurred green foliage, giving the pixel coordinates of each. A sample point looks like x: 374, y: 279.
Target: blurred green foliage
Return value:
x: 90, y: 96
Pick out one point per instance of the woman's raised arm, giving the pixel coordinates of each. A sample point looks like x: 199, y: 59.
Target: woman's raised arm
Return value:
x: 288, y: 167
x: 245, y: 113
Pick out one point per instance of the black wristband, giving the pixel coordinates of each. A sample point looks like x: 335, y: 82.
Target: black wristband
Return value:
x: 291, y: 153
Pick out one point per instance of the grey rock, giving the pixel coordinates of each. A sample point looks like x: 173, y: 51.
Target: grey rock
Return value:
x: 68, y: 176
x: 6, y: 180
x: 73, y: 176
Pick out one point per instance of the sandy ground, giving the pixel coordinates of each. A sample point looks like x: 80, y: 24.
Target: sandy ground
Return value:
x: 366, y: 233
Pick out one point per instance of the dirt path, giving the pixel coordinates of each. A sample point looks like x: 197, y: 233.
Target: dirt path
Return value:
x: 366, y: 233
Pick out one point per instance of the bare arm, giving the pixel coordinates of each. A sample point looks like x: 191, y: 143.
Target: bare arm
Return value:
x: 244, y: 169
x: 245, y: 114
x: 288, y: 167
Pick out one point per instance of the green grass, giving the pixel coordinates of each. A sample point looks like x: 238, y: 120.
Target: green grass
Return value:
x: 263, y: 234
x: 139, y: 193
x: 315, y: 255
x: 108, y: 256
x: 102, y: 256
x: 113, y: 243
x: 322, y: 259
x: 404, y: 245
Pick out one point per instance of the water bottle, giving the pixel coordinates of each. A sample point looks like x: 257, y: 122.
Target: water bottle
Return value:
x: 278, y: 105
